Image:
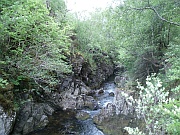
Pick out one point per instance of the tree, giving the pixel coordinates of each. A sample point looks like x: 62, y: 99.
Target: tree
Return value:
x: 34, y: 44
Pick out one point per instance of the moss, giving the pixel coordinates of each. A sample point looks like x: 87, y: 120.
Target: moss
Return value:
x: 6, y: 97
x: 6, y: 103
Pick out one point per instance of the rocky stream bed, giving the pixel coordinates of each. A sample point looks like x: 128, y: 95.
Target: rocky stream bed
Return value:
x: 91, y: 104
x: 104, y: 120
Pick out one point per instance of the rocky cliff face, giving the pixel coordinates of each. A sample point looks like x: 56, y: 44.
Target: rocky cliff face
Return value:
x: 75, y: 90
x: 32, y: 117
x: 104, y: 68
x: 6, y: 121
x: 72, y: 98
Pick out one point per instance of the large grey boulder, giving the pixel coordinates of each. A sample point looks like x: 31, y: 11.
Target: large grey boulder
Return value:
x: 72, y: 98
x: 32, y: 116
x: 78, y: 102
x: 6, y: 121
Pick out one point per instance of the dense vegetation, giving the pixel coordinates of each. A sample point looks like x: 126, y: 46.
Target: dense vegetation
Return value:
x: 141, y: 35
x: 34, y: 45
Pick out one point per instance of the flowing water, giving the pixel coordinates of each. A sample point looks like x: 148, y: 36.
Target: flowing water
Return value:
x: 88, y: 127
x: 65, y: 123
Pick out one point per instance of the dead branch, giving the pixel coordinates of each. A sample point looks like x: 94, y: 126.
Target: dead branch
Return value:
x: 156, y: 12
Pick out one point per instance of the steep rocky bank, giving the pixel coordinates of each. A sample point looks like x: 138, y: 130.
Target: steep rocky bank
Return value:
x: 7, y: 120
x: 73, y: 92
x: 114, y: 117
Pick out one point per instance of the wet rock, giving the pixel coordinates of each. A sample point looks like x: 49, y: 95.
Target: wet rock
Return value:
x: 43, y: 121
x: 119, y: 69
x: 117, y: 79
x: 66, y: 84
x: 101, y: 91
x: 6, y: 121
x: 84, y: 89
x: 32, y: 116
x: 122, y: 104
x: 120, y: 81
x: 91, y: 93
x: 82, y: 115
x: 70, y: 101
x: 48, y: 109
x: 54, y: 99
x: 90, y: 103
x: 73, y: 99
x: 109, y: 110
x: 111, y: 94
x: 28, y: 126
x: 94, y: 77
x: 114, y: 125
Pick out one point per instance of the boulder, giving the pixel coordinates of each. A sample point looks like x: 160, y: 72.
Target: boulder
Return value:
x: 72, y: 99
x: 79, y: 102
x: 117, y: 79
x: 101, y: 91
x: 91, y: 93
x: 120, y: 81
x: 111, y: 94
x: 90, y: 103
x: 113, y: 118
x: 6, y: 121
x: 81, y: 115
x: 122, y: 103
x: 32, y: 116
x: 106, y: 112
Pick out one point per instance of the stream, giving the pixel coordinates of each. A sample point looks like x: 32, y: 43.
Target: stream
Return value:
x: 65, y: 122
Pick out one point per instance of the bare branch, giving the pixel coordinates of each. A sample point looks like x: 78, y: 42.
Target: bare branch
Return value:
x: 156, y: 12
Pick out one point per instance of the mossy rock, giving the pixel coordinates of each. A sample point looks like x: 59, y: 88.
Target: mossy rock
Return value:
x: 115, y: 125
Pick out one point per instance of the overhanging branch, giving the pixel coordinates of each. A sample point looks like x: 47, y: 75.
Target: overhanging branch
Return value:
x: 156, y: 12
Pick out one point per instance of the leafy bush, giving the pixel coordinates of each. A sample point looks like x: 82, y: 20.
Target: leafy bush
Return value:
x: 3, y: 82
x: 33, y: 42
x: 159, y: 113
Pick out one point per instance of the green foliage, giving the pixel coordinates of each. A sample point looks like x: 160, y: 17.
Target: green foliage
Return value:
x: 141, y: 35
x: 171, y: 110
x: 32, y: 41
x: 57, y: 9
x: 153, y: 106
x: 93, y: 37
x: 3, y: 83
x: 34, y: 46
x: 173, y: 66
